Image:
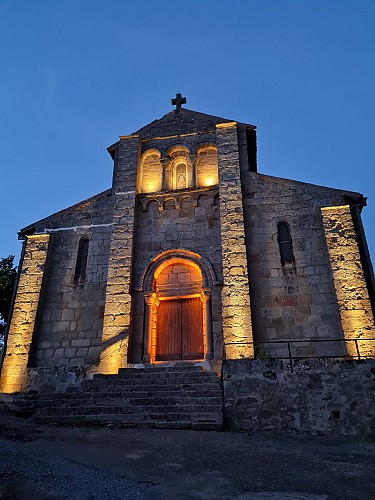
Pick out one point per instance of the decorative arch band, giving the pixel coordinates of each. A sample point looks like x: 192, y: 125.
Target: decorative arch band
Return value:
x: 168, y: 257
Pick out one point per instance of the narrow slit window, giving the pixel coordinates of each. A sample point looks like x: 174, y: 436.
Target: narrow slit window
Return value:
x: 81, y: 263
x: 285, y: 243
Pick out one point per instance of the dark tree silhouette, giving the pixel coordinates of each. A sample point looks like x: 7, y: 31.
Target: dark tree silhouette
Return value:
x: 8, y: 275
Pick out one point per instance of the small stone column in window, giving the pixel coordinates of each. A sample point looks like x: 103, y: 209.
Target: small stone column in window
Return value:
x: 164, y: 164
x: 193, y: 159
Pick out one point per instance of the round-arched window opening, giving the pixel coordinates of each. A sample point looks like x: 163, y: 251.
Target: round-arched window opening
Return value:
x: 181, y: 176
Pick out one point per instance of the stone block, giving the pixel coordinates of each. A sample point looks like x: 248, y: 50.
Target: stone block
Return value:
x: 70, y: 352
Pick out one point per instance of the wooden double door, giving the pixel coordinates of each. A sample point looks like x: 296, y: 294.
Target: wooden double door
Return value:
x: 179, y: 329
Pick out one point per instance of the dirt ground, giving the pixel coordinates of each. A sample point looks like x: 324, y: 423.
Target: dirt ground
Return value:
x: 50, y: 462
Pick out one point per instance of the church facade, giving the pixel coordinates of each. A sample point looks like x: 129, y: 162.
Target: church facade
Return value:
x: 192, y: 255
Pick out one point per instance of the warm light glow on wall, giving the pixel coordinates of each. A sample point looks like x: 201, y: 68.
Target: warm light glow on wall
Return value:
x: 356, y: 317
x: 150, y: 172
x: 174, y: 278
x: 236, y: 310
x: 176, y: 260
x: 21, y: 329
x: 14, y: 374
x: 239, y: 351
x: 207, y: 166
x: 111, y: 358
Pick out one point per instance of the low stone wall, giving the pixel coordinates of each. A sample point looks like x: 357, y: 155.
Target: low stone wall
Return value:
x: 320, y: 396
x: 52, y: 380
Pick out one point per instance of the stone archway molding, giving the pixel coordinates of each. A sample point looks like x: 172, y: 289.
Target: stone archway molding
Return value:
x: 147, y: 287
x: 167, y: 257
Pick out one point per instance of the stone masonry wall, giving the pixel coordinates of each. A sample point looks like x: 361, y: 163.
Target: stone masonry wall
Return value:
x: 70, y: 318
x: 297, y: 300
x: 187, y: 220
x: 178, y: 279
x: 14, y: 369
x: 357, y: 320
x: 237, y: 328
x: 318, y: 397
x: 116, y: 323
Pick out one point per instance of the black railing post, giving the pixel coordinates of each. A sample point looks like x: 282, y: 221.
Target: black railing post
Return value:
x: 290, y: 357
x: 301, y: 341
x: 356, y: 346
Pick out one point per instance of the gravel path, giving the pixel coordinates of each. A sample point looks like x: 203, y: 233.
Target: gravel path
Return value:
x: 44, y: 462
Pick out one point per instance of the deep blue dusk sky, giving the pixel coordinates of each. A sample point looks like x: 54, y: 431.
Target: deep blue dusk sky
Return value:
x: 76, y: 74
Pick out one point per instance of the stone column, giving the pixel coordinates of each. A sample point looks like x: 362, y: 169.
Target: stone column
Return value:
x: 153, y: 329
x: 193, y: 159
x: 116, y: 323
x: 148, y: 328
x: 163, y: 162
x: 237, y: 328
x: 22, y: 323
x: 206, y: 297
x: 353, y: 300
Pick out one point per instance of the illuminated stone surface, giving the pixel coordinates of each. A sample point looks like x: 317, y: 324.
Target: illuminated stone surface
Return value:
x: 14, y: 369
x: 237, y: 329
x: 150, y: 173
x: 357, y: 320
x: 116, y: 322
x: 207, y: 166
x: 297, y: 300
x: 186, y: 194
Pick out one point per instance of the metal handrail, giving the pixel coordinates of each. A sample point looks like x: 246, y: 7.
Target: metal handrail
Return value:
x: 289, y: 344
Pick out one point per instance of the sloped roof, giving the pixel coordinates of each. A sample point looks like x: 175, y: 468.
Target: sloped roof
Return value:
x: 179, y: 122
x: 81, y: 207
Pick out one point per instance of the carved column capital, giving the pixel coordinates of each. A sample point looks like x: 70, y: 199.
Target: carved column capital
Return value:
x: 149, y: 299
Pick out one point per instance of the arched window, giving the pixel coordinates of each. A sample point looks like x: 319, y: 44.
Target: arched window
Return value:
x: 207, y: 166
x: 181, y: 176
x: 81, y: 263
x: 150, y: 173
x: 178, y: 169
x: 285, y: 243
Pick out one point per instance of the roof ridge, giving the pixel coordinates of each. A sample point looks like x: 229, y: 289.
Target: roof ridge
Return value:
x: 182, y: 119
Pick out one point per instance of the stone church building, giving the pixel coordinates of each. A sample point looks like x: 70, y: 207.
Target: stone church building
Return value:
x: 192, y: 255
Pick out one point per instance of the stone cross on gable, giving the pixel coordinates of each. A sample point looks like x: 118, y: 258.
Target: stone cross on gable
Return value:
x: 178, y: 101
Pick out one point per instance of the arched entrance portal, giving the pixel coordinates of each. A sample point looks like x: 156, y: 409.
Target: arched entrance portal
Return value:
x: 178, y: 312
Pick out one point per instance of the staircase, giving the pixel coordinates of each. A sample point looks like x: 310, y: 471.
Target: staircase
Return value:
x: 178, y: 397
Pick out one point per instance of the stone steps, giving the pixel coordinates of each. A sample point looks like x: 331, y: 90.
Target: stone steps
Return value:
x: 185, y: 422
x: 126, y: 394
x: 126, y: 388
x: 184, y: 397
x: 128, y: 410
x: 150, y: 378
x: 121, y: 401
x: 181, y: 368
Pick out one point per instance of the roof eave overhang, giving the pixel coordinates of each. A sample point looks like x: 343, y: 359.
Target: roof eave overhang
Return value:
x: 112, y: 149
